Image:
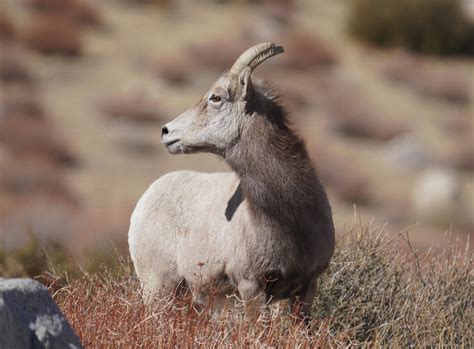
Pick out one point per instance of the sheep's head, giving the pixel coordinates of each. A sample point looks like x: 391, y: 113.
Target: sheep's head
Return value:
x: 214, y: 123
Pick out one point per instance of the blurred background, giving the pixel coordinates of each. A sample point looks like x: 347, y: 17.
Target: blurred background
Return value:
x: 381, y: 90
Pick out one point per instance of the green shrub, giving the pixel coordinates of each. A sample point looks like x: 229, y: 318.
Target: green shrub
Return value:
x: 428, y: 26
x: 36, y: 259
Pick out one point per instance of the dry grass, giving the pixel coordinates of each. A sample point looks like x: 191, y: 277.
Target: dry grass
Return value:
x: 373, y: 295
x: 107, y: 311
x: 380, y: 294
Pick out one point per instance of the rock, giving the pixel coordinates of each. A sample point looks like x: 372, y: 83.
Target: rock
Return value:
x: 437, y: 197
x: 407, y: 153
x: 14, y: 334
x: 29, y: 318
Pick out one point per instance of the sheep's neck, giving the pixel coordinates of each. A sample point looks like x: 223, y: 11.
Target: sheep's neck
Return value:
x: 276, y: 176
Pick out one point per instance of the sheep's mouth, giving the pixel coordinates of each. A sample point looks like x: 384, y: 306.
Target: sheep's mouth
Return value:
x: 173, y: 146
x: 167, y: 144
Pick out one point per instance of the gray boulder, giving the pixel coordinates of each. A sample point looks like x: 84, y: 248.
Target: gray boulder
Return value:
x: 29, y: 318
x: 407, y: 153
x: 437, y: 197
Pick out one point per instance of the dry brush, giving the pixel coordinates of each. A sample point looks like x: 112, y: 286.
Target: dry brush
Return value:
x: 375, y: 293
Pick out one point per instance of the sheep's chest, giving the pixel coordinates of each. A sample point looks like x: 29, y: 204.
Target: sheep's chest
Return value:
x: 277, y: 264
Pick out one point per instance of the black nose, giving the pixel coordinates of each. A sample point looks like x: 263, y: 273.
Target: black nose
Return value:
x: 164, y: 130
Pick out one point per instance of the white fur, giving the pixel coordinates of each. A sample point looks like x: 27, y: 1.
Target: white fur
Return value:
x: 179, y: 231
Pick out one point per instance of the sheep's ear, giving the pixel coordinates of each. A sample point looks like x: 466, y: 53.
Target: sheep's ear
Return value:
x: 245, y: 83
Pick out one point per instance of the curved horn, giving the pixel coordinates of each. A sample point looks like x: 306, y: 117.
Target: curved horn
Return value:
x: 255, y: 55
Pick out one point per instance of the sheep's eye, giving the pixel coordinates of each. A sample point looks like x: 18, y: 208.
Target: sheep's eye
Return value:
x: 215, y: 98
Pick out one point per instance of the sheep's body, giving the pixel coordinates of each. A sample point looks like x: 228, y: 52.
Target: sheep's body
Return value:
x: 190, y: 226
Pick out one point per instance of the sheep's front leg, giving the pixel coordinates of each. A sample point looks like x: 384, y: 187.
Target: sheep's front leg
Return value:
x: 156, y: 291
x: 253, y: 298
x: 302, y: 303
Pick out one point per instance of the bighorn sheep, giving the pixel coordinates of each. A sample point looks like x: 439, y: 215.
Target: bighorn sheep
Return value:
x: 264, y: 231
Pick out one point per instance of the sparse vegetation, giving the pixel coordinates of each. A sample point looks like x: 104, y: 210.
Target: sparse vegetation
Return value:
x: 33, y: 259
x: 354, y: 115
x: 13, y: 70
x: 347, y: 182
x: 134, y: 107
x: 177, y: 71
x: 30, y: 138
x: 24, y: 106
x: 373, y: 294
x: 7, y: 30
x: 428, y: 26
x: 54, y: 35
x: 450, y: 84
x: 206, y: 57
x: 80, y: 11
x: 306, y: 51
x: 27, y: 179
x: 462, y: 158
x: 379, y: 294
x: 51, y: 261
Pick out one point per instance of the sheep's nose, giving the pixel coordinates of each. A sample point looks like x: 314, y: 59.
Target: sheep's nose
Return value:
x: 164, y: 131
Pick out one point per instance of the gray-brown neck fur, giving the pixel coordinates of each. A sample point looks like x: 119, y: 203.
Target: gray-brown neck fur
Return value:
x: 277, y: 177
